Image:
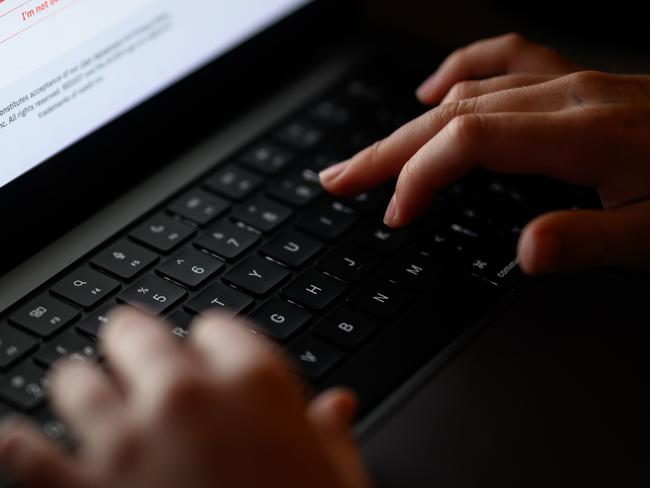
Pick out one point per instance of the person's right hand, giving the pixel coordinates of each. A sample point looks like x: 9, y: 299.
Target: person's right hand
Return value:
x: 587, y: 128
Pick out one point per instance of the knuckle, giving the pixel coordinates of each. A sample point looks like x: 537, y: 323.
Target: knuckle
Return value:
x: 588, y: 84
x: 445, y: 113
x: 466, y: 129
x: 459, y: 56
x: 515, y: 39
x: 462, y: 90
x: 376, y: 152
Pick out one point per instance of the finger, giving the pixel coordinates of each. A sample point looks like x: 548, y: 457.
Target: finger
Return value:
x: 550, y: 144
x: 476, y: 88
x: 143, y: 354
x: 334, y: 410
x: 385, y: 159
x: 87, y: 401
x: 228, y: 347
x: 510, y: 53
x: 34, y: 460
x: 577, y: 240
x: 332, y: 414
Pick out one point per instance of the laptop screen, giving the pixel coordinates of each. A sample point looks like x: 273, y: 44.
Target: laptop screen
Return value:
x: 68, y: 67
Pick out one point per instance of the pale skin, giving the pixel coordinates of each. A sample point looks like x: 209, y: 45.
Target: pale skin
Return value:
x: 223, y: 408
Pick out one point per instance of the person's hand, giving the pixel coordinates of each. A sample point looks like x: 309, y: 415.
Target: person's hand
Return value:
x: 220, y: 410
x: 587, y: 128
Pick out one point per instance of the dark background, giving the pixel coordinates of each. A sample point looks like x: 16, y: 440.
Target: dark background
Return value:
x: 608, y: 36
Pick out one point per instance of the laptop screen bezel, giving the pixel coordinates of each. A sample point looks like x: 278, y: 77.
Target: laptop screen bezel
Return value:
x: 63, y: 191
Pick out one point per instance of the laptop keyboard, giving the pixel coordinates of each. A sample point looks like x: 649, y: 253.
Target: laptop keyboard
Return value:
x: 353, y: 302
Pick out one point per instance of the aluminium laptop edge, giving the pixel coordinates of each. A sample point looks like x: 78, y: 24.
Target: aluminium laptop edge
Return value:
x: 429, y: 431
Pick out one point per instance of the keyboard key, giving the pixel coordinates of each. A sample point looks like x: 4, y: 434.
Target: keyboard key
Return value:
x: 414, y: 269
x: 44, y: 316
x: 25, y: 387
x: 85, y: 287
x: 380, y: 299
x: 234, y: 182
x: 280, y: 320
x: 262, y: 214
x: 14, y: 345
x: 124, y: 259
x: 153, y: 295
x: 180, y: 322
x: 380, y: 238
x: 498, y: 265
x: 294, y: 189
x: 162, y: 233
x: 347, y: 262
x: 268, y: 158
x: 346, y: 327
x: 331, y: 111
x: 365, y: 91
x: 292, y: 248
x: 228, y: 240
x: 70, y: 345
x: 370, y: 371
x: 323, y: 160
x: 328, y: 222
x: 315, y: 357
x: 191, y: 268
x: 92, y: 324
x: 314, y: 290
x: 301, y: 134
x: 256, y: 275
x: 52, y: 427
x: 376, y: 200
x: 219, y: 297
x: 441, y: 245
x: 199, y: 207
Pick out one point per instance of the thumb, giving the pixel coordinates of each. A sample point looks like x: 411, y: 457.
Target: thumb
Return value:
x: 576, y: 240
x: 332, y: 414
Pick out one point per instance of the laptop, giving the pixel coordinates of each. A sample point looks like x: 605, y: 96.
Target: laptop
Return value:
x: 158, y: 154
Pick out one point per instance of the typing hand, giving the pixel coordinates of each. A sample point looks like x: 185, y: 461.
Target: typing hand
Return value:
x: 221, y: 409
x: 587, y: 128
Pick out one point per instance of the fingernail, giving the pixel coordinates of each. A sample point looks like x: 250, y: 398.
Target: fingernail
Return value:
x: 328, y: 175
x: 391, y: 212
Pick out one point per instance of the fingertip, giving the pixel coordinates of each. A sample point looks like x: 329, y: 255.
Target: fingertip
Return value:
x: 217, y: 326
x: 329, y: 175
x: 426, y: 91
x: 337, y: 407
x: 63, y: 370
x: 539, y: 250
x: 210, y: 320
x: 121, y: 318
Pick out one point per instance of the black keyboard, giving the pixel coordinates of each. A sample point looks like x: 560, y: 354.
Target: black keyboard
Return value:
x: 354, y: 302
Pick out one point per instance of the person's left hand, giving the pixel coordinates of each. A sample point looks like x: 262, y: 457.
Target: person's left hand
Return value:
x: 220, y: 410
